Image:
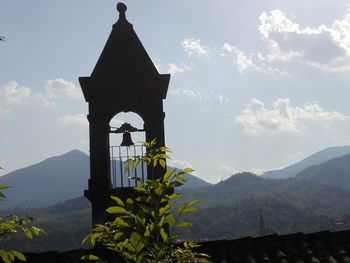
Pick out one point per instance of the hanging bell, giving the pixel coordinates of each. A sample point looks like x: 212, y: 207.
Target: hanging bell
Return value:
x: 127, y: 139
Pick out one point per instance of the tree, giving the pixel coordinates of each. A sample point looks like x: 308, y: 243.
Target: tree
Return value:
x: 14, y: 224
x: 144, y: 229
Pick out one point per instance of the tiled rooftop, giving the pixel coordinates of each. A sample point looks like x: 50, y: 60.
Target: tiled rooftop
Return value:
x: 320, y: 247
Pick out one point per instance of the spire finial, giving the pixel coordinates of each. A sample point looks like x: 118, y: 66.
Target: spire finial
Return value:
x: 121, y: 7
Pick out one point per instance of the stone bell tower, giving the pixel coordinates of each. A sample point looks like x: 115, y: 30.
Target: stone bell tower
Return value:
x: 123, y: 80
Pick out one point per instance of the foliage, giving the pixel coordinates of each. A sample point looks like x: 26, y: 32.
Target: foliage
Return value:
x: 143, y: 229
x: 14, y: 224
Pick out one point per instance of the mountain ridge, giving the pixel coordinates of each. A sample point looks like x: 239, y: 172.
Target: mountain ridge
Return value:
x: 313, y: 159
x: 335, y: 171
x: 54, y: 180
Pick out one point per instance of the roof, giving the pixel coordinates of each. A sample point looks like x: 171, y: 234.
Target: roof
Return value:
x: 123, y: 54
x: 123, y: 65
x: 322, y: 246
x: 316, y: 247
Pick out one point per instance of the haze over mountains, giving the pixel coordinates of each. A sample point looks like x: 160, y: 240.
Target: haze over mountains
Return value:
x: 228, y: 209
x: 314, y: 159
x: 65, y: 177
x: 54, y: 180
x: 334, y: 172
x: 48, y: 182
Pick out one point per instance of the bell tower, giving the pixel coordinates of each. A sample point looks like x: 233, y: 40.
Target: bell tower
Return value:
x: 123, y: 80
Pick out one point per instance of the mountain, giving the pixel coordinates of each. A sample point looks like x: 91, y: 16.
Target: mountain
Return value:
x: 334, y: 172
x: 193, y: 182
x: 314, y: 195
x: 55, y: 180
x: 314, y: 159
x: 228, y: 209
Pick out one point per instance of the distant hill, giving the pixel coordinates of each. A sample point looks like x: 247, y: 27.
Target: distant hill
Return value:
x: 334, y: 172
x: 48, y: 182
x: 55, y: 180
x: 228, y: 209
x: 301, y: 192
x: 314, y: 159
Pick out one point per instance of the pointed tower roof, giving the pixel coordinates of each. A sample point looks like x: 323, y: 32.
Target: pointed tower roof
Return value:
x: 123, y: 63
x: 123, y: 52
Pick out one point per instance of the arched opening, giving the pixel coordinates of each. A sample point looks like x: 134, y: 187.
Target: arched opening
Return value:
x: 125, y: 140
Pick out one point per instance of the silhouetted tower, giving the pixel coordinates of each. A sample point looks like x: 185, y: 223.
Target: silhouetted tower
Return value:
x: 123, y: 80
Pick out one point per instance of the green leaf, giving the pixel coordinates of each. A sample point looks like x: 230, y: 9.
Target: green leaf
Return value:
x: 162, y: 163
x: 119, y: 222
x: 190, y: 210
x: 116, y: 210
x: 181, y: 177
x: 173, y: 196
x: 184, y: 225
x: 85, y: 239
x: 89, y: 257
x: 140, y: 190
x: 117, y: 236
x: 11, y: 256
x: 155, y: 162
x: 168, y: 173
x: 170, y: 219
x: 164, y: 210
x: 118, y: 201
x: 2, y: 187
x: 28, y: 234
x: 37, y: 231
x: 2, y: 195
x: 18, y: 255
x: 175, y: 184
x: 4, y: 256
x: 163, y: 234
x: 187, y: 170
x: 94, y: 237
x: 193, y: 202
x: 147, y: 233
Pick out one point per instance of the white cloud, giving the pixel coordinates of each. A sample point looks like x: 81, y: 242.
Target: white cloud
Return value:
x: 76, y: 120
x: 116, y: 122
x: 193, y: 47
x: 222, y: 99
x: 190, y: 94
x: 13, y: 94
x: 245, y: 62
x: 174, y: 69
x: 179, y: 164
x: 257, y: 171
x: 242, y: 61
x: 58, y: 88
x: 283, y: 117
x: 223, y: 172
x: 323, y: 47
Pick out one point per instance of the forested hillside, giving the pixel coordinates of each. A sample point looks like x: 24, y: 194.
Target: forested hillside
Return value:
x: 334, y: 172
x: 229, y: 209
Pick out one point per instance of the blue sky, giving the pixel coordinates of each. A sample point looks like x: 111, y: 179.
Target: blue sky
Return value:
x: 255, y: 85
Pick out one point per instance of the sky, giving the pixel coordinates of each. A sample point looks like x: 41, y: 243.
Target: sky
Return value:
x: 255, y: 85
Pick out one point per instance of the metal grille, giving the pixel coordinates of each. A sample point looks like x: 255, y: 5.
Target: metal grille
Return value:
x: 119, y: 174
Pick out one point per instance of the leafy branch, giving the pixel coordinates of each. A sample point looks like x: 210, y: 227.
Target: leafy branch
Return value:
x: 15, y: 224
x: 144, y: 228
